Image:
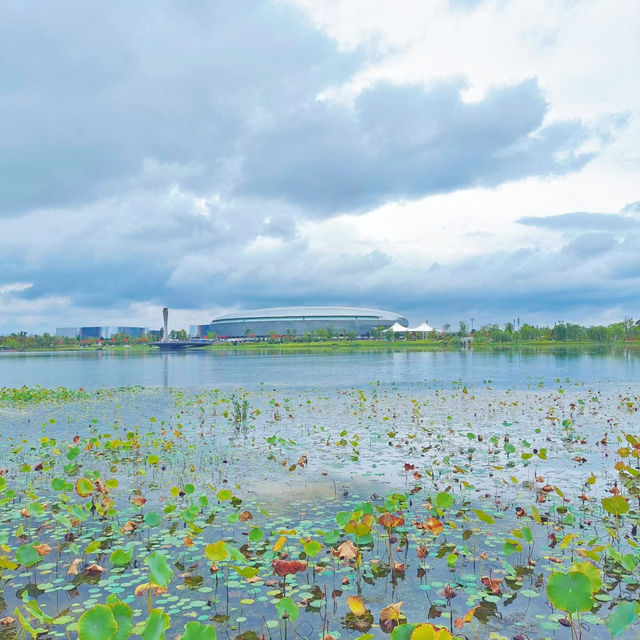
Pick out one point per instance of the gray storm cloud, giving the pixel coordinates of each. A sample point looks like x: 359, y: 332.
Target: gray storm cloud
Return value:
x: 145, y: 147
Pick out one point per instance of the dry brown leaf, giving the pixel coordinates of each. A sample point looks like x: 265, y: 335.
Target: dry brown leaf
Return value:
x: 285, y: 568
x: 493, y: 584
x: 138, y: 501
x: 243, y: 516
x: 42, y: 549
x: 392, y: 612
x: 99, y: 485
x: 6, y: 621
x: 347, y: 551
x: 389, y: 521
x: 434, y: 525
x: 95, y: 569
x: 145, y: 586
x: 449, y: 592
x: 469, y: 615
x: 129, y: 527
x: 73, y: 567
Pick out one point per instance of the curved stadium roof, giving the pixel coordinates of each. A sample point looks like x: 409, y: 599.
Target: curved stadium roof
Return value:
x: 312, y: 312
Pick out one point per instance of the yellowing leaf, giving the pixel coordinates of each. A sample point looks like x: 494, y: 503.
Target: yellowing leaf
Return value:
x: 279, y: 543
x: 427, y: 631
x: 566, y: 541
x: 356, y: 606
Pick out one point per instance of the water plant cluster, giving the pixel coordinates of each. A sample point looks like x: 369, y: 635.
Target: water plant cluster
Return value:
x: 421, y: 513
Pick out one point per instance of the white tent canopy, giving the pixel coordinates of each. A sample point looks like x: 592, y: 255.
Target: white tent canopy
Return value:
x: 423, y: 328
x: 396, y: 327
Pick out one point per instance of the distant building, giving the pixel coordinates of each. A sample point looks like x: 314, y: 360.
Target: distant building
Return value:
x: 130, y: 332
x: 297, y: 321
x: 67, y: 332
x: 94, y: 332
x: 104, y: 333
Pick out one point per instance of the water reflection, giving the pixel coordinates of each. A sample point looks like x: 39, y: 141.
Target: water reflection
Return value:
x: 325, y: 369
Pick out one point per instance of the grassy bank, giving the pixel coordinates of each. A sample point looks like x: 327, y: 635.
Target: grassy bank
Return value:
x: 453, y: 344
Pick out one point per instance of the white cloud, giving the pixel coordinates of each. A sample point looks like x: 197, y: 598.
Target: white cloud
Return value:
x: 211, y: 174
x: 14, y: 287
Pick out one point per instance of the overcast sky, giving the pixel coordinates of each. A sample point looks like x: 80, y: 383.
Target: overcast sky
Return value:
x: 445, y: 159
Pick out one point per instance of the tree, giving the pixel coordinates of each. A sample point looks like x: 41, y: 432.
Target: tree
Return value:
x: 597, y: 333
x: 560, y: 331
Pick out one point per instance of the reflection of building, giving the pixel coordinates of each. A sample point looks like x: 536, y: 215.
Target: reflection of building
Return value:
x: 297, y: 321
x: 83, y: 333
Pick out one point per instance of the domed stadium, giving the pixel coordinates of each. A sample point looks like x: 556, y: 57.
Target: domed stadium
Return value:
x: 298, y: 322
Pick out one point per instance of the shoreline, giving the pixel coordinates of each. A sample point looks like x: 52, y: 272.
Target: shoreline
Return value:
x: 359, y: 345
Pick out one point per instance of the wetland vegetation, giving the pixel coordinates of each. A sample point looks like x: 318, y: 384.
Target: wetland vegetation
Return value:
x: 423, y: 512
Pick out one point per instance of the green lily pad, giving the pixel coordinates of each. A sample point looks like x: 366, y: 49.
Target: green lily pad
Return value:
x: 121, y: 557
x: 198, y: 631
x: 570, y: 592
x: 623, y: 616
x: 156, y: 626
x: 152, y: 519
x: 98, y: 623
x: 27, y: 555
x: 286, y: 606
x: 616, y: 505
x: 159, y: 571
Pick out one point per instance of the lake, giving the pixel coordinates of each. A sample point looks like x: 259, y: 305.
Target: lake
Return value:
x: 250, y: 370
x: 467, y: 484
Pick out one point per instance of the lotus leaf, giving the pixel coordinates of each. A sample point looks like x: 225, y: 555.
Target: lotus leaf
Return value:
x: 286, y: 606
x: 159, y: 572
x: 570, y: 592
x: 98, y: 623
x: 198, y: 631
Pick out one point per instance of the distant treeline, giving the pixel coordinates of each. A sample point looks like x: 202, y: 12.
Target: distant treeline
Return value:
x: 511, y: 332
x: 561, y: 331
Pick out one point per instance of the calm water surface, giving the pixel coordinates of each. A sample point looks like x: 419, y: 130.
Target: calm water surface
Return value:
x: 362, y: 422
x: 296, y: 371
